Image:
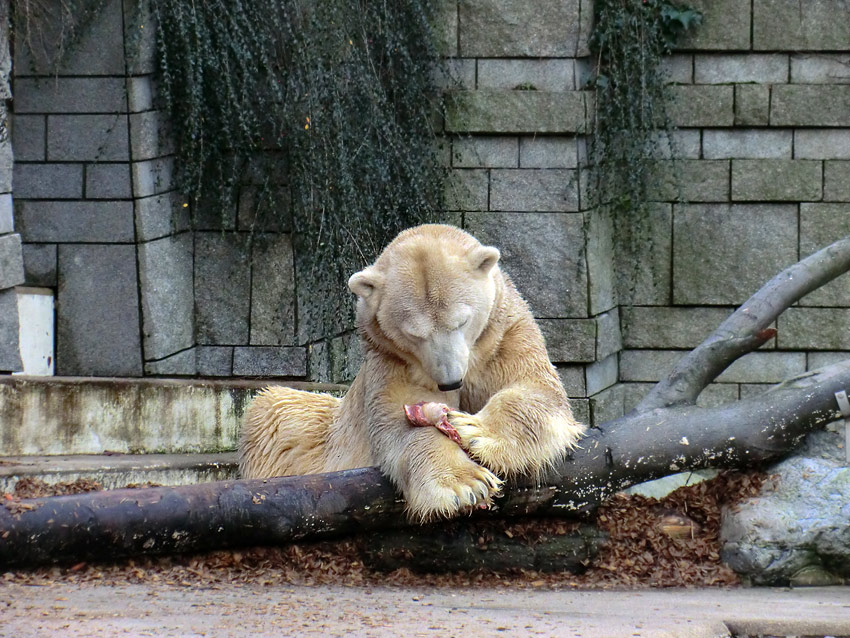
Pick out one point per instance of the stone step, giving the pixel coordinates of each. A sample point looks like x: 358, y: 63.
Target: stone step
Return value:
x: 86, y: 415
x: 119, y: 470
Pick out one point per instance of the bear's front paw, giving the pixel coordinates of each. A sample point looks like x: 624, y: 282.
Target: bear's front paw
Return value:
x: 459, y: 492
x: 471, y: 434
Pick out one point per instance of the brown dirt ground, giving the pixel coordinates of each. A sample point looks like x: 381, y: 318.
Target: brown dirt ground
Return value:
x: 672, y: 542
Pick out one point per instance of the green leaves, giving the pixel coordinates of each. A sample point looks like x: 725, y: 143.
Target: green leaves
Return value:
x: 331, y: 101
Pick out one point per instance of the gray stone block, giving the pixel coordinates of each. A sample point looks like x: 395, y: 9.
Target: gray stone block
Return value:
x: 633, y: 393
x: 548, y: 152
x: 814, y: 329
x: 11, y: 261
x: 87, y: 138
x: 836, y: 181
x: 90, y: 221
x: 701, y: 105
x: 222, y: 288
x: 319, y: 362
x: 538, y: 112
x: 781, y: 25
x: 346, y: 357
x: 724, y: 253
x: 718, y: 394
x: 552, y: 74
x: 777, y: 180
x: 747, y: 143
x: 140, y: 92
x: 28, y: 137
x: 821, y: 144
x: 10, y: 352
x: 97, y: 320
x: 553, y: 281
x: 647, y: 365
x: 7, y: 220
x: 214, y: 361
x: 180, y: 364
x: 602, y: 374
x: 820, y: 68
x: 569, y: 340
x: 267, y: 361
x: 752, y: 105
x: 817, y: 360
x: 150, y: 135
x: 643, y: 277
x: 485, y: 152
x: 272, y: 291
x: 166, y: 289
x: 152, y: 177
x: 752, y: 390
x: 581, y: 410
x: 108, y: 181
x: 467, y: 189
x: 810, y: 105
x: 609, y: 338
x: 553, y: 190
x: 690, y: 181
x: 678, y: 68
x: 725, y: 26
x: 765, y: 367
x: 457, y: 73
x: 161, y: 215
x: 666, y: 327
x: 599, y: 250
x: 48, y: 181
x: 99, y: 50
x: 572, y: 378
x: 514, y: 28
x: 607, y: 405
x: 40, y: 265
x: 741, y: 67
x: 266, y: 209
x: 445, y: 27
x: 70, y: 95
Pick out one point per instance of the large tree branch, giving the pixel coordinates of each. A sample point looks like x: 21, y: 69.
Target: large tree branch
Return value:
x: 748, y: 327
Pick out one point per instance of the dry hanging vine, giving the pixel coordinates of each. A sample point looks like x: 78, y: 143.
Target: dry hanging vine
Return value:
x: 631, y: 127
x: 329, y: 104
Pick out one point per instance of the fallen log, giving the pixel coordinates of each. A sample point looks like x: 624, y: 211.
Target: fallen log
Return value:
x: 667, y: 433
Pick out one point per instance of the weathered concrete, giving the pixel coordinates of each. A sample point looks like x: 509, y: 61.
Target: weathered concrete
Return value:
x: 116, y: 471
x: 85, y: 609
x: 55, y: 415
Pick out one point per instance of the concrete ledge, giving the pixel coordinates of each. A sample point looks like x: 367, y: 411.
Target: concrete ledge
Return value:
x: 55, y: 415
x: 119, y: 470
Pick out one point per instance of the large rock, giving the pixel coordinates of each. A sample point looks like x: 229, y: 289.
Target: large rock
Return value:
x: 798, y: 530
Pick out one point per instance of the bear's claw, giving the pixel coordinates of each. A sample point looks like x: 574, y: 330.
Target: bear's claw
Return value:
x: 431, y: 414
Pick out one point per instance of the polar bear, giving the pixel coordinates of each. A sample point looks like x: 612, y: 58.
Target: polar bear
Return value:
x: 447, y: 341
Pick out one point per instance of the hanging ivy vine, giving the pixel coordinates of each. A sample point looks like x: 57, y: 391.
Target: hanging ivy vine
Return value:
x: 336, y: 98
x: 631, y: 127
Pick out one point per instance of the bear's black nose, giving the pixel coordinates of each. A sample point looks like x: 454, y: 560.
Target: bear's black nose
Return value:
x: 448, y: 387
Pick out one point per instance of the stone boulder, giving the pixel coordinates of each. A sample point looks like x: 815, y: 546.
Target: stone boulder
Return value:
x: 797, y: 532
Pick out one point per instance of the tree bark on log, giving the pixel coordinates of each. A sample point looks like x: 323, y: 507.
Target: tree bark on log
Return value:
x: 665, y: 434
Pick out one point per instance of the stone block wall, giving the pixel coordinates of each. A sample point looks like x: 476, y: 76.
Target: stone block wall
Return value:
x: 762, y: 102
x: 11, y: 260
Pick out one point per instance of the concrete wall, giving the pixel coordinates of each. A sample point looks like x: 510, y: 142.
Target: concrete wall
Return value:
x: 762, y: 99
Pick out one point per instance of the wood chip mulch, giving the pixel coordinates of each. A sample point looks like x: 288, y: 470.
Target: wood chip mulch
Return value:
x: 672, y: 542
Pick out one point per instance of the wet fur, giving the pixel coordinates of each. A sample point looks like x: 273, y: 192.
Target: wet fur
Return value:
x: 512, y: 412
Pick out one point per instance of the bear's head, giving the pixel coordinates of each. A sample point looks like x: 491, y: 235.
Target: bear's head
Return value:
x: 429, y: 296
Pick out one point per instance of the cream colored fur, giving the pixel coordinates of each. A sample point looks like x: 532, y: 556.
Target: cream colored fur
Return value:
x: 432, y: 310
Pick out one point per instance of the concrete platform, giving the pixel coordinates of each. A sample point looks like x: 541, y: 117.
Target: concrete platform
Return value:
x: 119, y: 470
x: 156, y: 609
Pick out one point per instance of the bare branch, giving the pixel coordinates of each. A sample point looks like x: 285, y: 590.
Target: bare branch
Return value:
x: 748, y: 327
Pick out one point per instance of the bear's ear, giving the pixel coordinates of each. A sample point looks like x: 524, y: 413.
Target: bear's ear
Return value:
x: 484, y: 258
x: 365, y: 282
